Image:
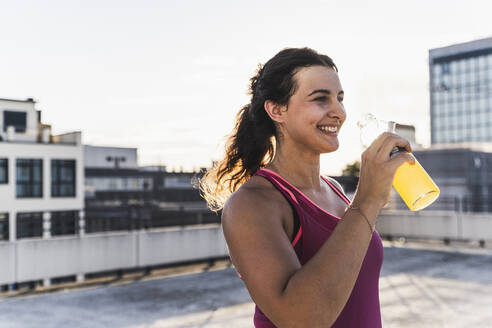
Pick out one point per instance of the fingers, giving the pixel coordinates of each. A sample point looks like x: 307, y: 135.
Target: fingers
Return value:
x: 385, y: 143
x: 392, y: 141
x: 376, y: 144
x: 401, y: 158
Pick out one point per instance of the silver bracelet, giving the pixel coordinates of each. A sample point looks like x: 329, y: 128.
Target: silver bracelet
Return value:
x: 350, y: 207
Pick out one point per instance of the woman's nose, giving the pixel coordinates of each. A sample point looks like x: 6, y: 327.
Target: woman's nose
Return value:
x: 338, y: 111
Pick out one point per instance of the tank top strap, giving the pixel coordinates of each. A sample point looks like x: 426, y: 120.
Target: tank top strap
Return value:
x: 286, y: 190
x: 290, y: 194
x: 289, y: 191
x: 335, y: 189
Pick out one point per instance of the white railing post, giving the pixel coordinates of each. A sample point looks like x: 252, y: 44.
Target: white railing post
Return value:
x: 12, y: 226
x: 46, y: 225
x: 81, y: 223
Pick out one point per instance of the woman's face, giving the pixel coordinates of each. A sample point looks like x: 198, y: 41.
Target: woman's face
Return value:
x: 315, y: 111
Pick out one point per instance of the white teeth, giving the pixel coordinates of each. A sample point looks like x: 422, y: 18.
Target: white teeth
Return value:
x: 325, y: 128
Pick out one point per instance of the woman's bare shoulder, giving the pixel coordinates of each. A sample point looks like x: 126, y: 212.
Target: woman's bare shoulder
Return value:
x: 259, y: 248
x: 256, y: 197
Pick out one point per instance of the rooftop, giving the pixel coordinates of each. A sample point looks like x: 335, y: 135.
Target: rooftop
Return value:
x: 456, y: 51
x: 422, y: 285
x: 28, y: 100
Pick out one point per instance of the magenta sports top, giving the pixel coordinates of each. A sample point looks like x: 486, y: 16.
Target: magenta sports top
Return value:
x: 362, y: 308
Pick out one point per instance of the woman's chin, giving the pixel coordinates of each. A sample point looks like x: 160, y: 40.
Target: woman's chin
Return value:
x: 330, y: 149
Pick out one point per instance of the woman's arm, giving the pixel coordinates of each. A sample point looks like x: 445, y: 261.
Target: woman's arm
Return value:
x: 312, y: 295
x: 292, y: 295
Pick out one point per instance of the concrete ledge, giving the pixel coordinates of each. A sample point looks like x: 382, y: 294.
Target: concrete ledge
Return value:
x: 38, y: 259
x: 436, y: 225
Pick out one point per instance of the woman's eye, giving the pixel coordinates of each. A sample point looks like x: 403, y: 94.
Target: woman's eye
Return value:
x: 321, y: 99
x: 340, y: 99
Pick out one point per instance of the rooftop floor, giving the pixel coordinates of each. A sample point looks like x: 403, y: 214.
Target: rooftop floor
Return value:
x: 421, y: 285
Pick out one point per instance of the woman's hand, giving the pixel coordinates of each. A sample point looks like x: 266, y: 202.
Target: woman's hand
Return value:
x: 377, y: 170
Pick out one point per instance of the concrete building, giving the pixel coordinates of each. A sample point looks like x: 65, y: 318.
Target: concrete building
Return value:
x: 41, y: 175
x: 51, y: 233
x: 461, y: 92
x: 408, y: 132
x: 120, y: 195
x: 110, y: 157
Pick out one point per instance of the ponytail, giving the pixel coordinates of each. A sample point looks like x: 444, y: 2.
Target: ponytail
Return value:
x: 251, y: 145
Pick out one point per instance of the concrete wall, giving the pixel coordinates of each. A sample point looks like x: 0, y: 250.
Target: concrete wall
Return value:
x: 436, y: 225
x: 178, y: 244
x: 36, y: 259
x: 8, y: 262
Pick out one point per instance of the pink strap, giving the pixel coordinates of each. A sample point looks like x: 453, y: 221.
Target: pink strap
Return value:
x: 288, y: 195
x: 336, y: 190
x: 299, y: 233
x: 298, y: 236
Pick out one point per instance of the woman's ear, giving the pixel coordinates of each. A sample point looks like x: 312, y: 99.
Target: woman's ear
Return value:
x: 276, y: 112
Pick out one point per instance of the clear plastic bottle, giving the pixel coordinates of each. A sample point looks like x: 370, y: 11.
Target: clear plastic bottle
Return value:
x: 411, y: 181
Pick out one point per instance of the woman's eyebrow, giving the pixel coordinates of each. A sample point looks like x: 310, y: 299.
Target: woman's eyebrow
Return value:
x: 325, y: 91
x: 320, y: 91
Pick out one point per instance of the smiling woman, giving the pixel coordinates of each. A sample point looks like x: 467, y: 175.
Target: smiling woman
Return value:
x: 308, y: 256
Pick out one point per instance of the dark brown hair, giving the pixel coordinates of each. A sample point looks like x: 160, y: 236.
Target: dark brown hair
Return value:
x: 251, y: 145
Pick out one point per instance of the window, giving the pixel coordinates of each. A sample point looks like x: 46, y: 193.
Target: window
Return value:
x: 482, y: 62
x: 16, y: 119
x: 474, y: 64
x: 453, y: 66
x: 29, y: 225
x: 178, y: 182
x: 4, y: 170
x: 454, y: 83
x: 437, y: 136
x: 473, y: 104
x: 482, y: 104
x: 64, y: 223
x: 444, y: 68
x: 474, y: 133
x: 62, y: 178
x: 4, y: 226
x: 29, y: 178
x: 437, y: 70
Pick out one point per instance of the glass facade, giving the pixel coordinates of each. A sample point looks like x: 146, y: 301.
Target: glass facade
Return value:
x: 64, y: 223
x: 29, y: 178
x: 62, y: 178
x: 119, y: 183
x: 4, y: 226
x: 4, y: 170
x: 29, y: 225
x: 461, y: 98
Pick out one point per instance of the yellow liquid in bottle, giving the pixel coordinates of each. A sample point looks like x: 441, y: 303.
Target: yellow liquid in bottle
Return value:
x: 415, y: 186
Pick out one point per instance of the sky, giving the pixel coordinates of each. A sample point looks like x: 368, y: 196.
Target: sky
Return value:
x: 168, y: 77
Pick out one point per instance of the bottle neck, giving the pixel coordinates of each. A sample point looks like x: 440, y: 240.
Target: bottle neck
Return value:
x: 397, y: 150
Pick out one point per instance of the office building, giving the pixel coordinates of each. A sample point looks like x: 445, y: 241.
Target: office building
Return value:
x: 461, y: 92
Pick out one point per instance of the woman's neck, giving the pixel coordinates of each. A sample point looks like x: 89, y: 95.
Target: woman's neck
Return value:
x: 303, y: 174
